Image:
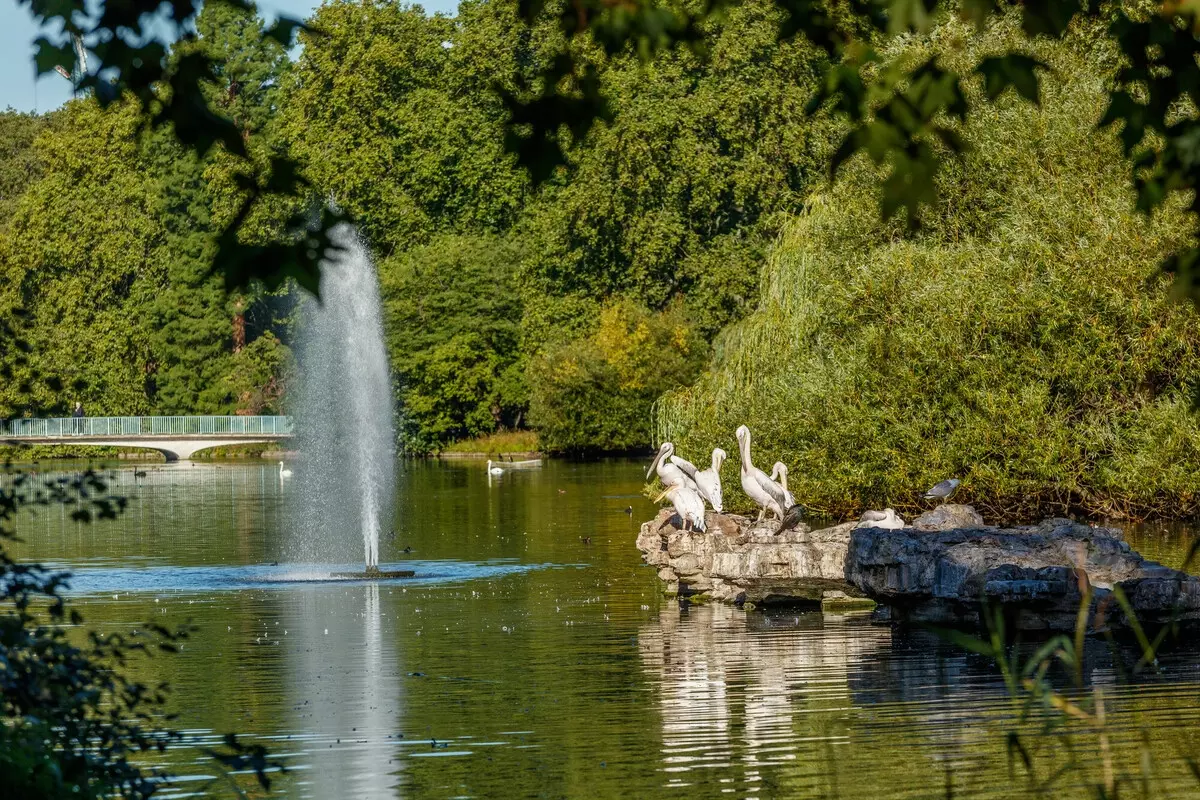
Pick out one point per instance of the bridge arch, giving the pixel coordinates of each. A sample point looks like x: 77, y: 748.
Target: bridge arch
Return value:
x: 177, y: 438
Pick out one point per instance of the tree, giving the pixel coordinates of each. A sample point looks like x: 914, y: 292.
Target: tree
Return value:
x: 389, y: 113
x: 592, y: 392
x: 453, y: 333
x: 20, y: 163
x: 79, y: 257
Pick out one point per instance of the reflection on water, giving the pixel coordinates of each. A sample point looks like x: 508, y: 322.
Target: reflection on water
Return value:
x: 344, y: 679
x: 733, y: 688
x: 533, y: 656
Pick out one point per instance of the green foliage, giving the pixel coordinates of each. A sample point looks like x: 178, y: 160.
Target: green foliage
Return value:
x: 453, y: 334
x: 191, y: 90
x: 396, y: 114
x: 591, y: 392
x: 403, y: 132
x: 1020, y: 342
x: 682, y: 191
x: 20, y: 162
x: 107, y: 261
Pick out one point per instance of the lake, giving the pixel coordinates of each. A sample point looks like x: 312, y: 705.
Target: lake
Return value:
x: 534, y: 656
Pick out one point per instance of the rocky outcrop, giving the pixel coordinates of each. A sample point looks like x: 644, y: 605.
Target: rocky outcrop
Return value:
x: 943, y: 573
x: 947, y: 517
x: 1038, y: 575
x: 737, y: 560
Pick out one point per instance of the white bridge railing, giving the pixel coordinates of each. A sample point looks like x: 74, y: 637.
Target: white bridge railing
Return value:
x: 145, y: 426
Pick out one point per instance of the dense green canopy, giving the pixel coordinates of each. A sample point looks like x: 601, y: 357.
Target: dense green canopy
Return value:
x: 106, y: 257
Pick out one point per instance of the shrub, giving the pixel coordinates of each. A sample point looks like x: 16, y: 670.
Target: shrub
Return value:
x: 592, y: 392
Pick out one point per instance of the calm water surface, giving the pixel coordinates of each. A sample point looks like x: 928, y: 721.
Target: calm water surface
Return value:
x: 526, y: 662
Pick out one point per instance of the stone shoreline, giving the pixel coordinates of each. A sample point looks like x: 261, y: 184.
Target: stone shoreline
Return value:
x: 942, y: 569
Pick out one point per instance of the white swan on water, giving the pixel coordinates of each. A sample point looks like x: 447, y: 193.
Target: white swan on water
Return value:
x: 284, y: 473
x: 494, y: 470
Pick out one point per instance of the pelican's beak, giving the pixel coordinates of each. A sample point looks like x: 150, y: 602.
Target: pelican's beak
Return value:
x: 654, y: 464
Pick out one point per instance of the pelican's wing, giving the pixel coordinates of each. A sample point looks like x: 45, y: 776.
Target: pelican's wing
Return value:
x: 688, y: 467
x: 709, y: 483
x: 773, y: 489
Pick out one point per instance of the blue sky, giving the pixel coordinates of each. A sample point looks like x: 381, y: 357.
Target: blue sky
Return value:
x: 19, y: 90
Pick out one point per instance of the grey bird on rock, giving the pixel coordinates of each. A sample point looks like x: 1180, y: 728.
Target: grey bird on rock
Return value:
x: 944, y: 490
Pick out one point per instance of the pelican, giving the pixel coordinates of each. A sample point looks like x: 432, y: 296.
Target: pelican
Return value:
x: 755, y: 483
x: 779, y: 473
x: 708, y: 482
x: 793, y: 512
x: 494, y: 470
x: 668, y: 472
x: 887, y: 519
x: 689, y: 505
x: 284, y: 473
x: 944, y: 490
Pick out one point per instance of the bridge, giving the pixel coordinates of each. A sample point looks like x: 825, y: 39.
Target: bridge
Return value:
x: 175, y: 437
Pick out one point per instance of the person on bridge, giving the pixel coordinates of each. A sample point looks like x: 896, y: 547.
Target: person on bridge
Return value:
x: 78, y: 412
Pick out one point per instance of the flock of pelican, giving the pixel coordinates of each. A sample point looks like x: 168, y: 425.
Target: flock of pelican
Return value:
x: 689, y: 488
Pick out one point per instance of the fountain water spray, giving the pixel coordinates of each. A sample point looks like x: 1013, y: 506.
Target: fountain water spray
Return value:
x: 344, y: 421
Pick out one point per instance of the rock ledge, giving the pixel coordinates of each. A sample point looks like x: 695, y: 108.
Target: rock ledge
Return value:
x: 942, y: 570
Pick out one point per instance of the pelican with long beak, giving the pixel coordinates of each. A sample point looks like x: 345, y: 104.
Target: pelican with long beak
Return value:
x: 668, y: 472
x: 779, y: 473
x: 768, y: 494
x: 708, y: 482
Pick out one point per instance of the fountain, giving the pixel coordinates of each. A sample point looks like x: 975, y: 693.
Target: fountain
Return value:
x: 344, y: 486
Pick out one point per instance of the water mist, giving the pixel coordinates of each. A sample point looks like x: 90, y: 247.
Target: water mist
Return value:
x: 344, y: 485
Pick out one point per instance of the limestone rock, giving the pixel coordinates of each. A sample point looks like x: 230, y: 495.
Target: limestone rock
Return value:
x: 1037, y: 574
x: 948, y: 516
x: 739, y: 560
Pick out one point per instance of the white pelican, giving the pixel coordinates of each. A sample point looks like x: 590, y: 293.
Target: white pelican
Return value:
x: 689, y: 505
x: 779, y: 473
x: 284, y: 473
x: 793, y: 512
x: 887, y: 519
x: 494, y: 470
x: 755, y: 483
x: 708, y: 482
x: 669, y: 473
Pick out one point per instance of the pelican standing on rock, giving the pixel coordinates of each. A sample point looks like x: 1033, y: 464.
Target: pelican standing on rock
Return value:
x: 758, y: 487
x: 708, y: 482
x: 668, y: 472
x: 793, y: 512
x: 689, y: 505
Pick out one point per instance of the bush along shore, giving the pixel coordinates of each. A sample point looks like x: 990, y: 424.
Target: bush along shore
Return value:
x: 1023, y: 340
